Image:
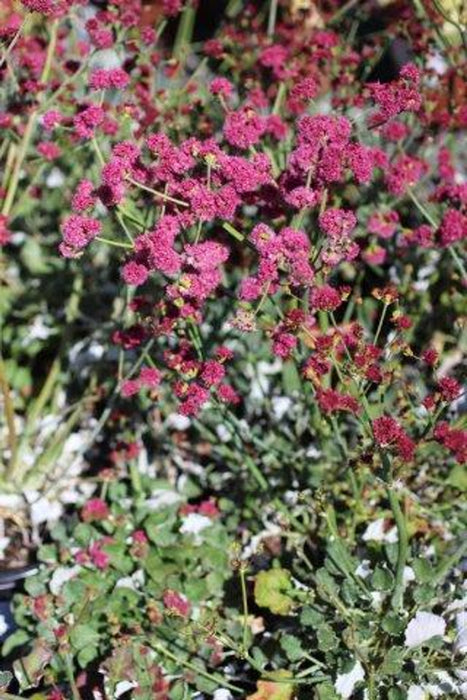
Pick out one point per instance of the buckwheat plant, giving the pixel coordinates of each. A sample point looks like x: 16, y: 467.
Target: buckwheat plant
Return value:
x: 284, y: 211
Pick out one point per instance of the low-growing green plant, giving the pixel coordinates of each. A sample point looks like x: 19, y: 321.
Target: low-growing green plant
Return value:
x: 262, y: 240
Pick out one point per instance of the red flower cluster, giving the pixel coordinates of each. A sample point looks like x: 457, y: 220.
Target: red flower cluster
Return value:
x: 389, y: 434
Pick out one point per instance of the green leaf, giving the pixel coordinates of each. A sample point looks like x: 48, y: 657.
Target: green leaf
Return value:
x: 292, y: 647
x: 259, y: 656
x: 327, y: 586
x: 159, y: 527
x: 392, y: 551
x: 350, y: 592
x: 291, y: 381
x: 382, y: 579
x: 341, y: 557
x: 424, y: 594
x: 119, y: 558
x: 83, y: 636
x: 32, y: 257
x: 178, y: 691
x: 393, y: 662
x: 86, y: 655
x: 47, y: 553
x: 195, y: 589
x: 325, y: 691
x: 13, y: 641
x: 393, y: 624
x: 310, y: 617
x: 271, y: 591
x: 34, y: 586
x: 5, y: 679
x: 215, y: 582
x: 423, y: 570
x: 327, y: 639
x: 74, y: 591
x: 458, y: 477
x: 83, y: 534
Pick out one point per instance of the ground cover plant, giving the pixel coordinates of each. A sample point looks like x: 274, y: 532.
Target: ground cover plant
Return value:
x: 231, y: 372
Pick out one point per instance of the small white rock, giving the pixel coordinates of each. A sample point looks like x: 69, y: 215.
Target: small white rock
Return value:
x: 123, y: 686
x: 178, y: 422
x: 44, y: 511
x: 346, y: 682
x: 409, y: 574
x: 60, y: 576
x: 416, y: 692
x: 222, y: 694
x: 3, y: 625
x: 280, y: 406
x: 422, y: 627
x: 363, y: 569
x: 194, y: 523
x: 460, y: 644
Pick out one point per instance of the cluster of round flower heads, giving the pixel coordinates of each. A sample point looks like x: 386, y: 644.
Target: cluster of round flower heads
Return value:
x: 252, y: 195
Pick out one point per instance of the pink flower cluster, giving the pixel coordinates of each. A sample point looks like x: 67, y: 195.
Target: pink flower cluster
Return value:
x: 77, y: 232
x: 103, y: 78
x: 402, y: 95
x: 389, y: 434
x: 288, y: 251
x: 149, y: 378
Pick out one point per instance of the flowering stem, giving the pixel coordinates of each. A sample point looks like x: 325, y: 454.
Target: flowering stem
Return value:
x: 125, y: 228
x: 63, y: 86
x: 30, y: 125
x: 422, y: 209
x: 13, y: 184
x: 193, y: 667
x: 449, y: 563
x: 279, y: 98
x: 117, y: 244
x: 380, y: 325
x: 343, y: 10
x: 402, y: 536
x: 160, y: 30
x: 199, y: 228
x: 256, y: 473
x: 71, y: 678
x: 135, y: 477
x: 50, y: 52
x: 13, y: 42
x: 366, y: 405
x: 108, y: 410
x: 433, y: 222
x: 184, y: 31
x: 403, y: 547
x: 162, y: 195
x: 9, y: 413
x: 233, y: 231
x: 458, y: 261
x: 245, y: 607
x: 272, y: 17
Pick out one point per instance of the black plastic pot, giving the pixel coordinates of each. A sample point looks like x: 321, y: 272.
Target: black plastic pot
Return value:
x: 10, y: 582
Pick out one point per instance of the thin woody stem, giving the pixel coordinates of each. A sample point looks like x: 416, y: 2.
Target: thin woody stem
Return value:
x: 431, y: 220
x: 14, y: 41
x: 245, y: 607
x: 162, y: 195
x: 9, y: 413
x: 30, y: 125
x: 402, y: 534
